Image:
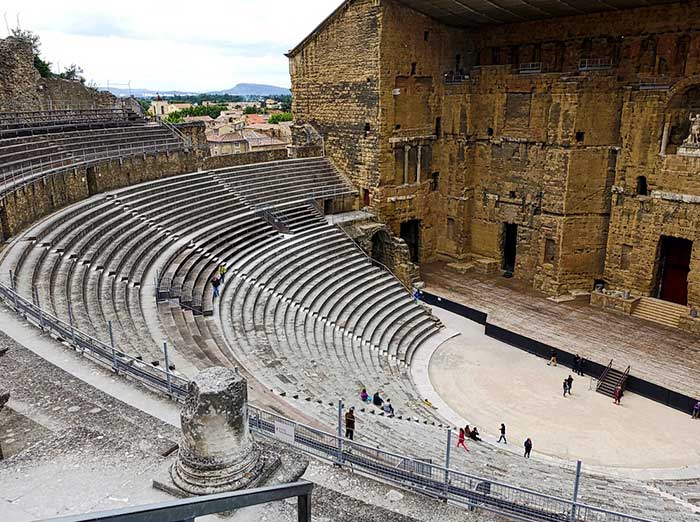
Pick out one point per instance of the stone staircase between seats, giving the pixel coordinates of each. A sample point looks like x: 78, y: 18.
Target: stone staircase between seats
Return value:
x: 660, y: 312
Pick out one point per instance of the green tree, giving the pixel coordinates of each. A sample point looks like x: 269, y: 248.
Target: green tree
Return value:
x: 72, y: 72
x: 277, y: 118
x: 252, y: 110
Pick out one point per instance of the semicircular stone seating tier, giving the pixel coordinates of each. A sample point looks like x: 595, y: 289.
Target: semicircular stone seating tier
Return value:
x: 304, y: 309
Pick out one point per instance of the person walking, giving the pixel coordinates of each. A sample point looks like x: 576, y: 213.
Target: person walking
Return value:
x: 460, y: 440
x: 222, y: 272
x: 528, y: 447
x: 569, y: 383
x: 503, y: 434
x: 696, y: 410
x: 565, y: 386
x: 617, y: 396
x: 350, y: 423
x: 577, y: 364
x: 215, y: 282
x: 552, y: 357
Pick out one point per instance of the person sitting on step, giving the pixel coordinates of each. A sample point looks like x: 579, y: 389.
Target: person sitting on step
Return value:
x: 377, y: 400
x: 474, y: 435
x: 388, y: 408
x: 364, y: 396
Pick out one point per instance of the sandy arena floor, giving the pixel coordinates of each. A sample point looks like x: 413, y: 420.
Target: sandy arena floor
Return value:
x: 488, y: 382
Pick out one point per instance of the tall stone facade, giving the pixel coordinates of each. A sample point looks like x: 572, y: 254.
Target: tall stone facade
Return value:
x: 553, y: 147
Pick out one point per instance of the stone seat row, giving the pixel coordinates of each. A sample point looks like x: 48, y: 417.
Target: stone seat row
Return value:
x: 302, y: 331
x: 16, y: 124
x: 97, y: 253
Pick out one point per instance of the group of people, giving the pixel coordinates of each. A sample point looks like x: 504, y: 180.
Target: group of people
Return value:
x: 376, y: 399
x: 217, y: 281
x: 468, y: 433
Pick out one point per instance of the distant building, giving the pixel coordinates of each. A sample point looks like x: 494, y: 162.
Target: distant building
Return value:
x: 281, y: 131
x: 208, y: 120
x: 252, y: 119
x: 273, y: 104
x: 241, y: 140
x: 259, y: 141
x: 229, y: 143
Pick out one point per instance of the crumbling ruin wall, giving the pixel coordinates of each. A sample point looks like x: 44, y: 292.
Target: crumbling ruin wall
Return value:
x: 23, y: 89
x: 18, y: 76
x: 57, y: 94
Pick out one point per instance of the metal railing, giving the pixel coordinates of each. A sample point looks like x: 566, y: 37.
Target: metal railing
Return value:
x: 186, y: 140
x: 34, y: 169
x: 469, y: 490
x: 187, y: 510
x: 454, y: 79
x: 603, y: 375
x: 106, y: 354
x: 530, y: 68
x: 418, y: 475
x: 592, y: 64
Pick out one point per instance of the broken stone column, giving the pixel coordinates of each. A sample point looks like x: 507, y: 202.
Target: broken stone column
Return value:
x: 217, y: 452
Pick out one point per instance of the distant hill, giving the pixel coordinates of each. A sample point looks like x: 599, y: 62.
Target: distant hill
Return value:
x: 144, y: 93
x: 256, y: 89
x: 242, y: 89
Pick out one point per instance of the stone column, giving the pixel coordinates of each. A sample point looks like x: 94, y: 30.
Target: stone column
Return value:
x: 664, y: 137
x: 406, y: 151
x: 217, y: 452
x: 420, y: 153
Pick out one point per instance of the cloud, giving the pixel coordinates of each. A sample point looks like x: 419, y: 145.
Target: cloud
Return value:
x: 172, y: 45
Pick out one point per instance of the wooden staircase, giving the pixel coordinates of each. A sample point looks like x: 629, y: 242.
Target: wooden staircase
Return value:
x: 611, y: 379
x: 660, y: 312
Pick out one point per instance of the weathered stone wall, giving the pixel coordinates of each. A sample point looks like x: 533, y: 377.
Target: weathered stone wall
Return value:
x: 196, y: 131
x: 18, y: 77
x: 57, y: 93
x: 38, y: 199
x: 554, y: 118
x: 335, y: 80
x: 23, y: 89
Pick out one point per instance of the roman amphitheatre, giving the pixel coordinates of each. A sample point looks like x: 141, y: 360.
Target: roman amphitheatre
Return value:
x: 471, y: 189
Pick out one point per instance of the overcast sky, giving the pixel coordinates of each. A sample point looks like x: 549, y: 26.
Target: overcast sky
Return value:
x: 159, y: 44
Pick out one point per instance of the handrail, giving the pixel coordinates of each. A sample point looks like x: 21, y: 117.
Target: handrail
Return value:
x: 185, y: 139
x: 371, y: 259
x: 191, y: 508
x: 603, y: 375
x: 17, y: 177
x: 623, y: 379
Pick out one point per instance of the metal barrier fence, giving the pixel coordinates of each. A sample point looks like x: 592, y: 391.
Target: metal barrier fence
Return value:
x: 188, y: 509
x: 106, y: 354
x: 32, y: 170
x: 466, y: 489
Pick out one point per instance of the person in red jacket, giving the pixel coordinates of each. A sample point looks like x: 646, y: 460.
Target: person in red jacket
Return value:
x: 460, y: 442
x: 617, y: 395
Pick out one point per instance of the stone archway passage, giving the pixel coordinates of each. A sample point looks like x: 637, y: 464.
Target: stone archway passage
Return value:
x: 381, y: 245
